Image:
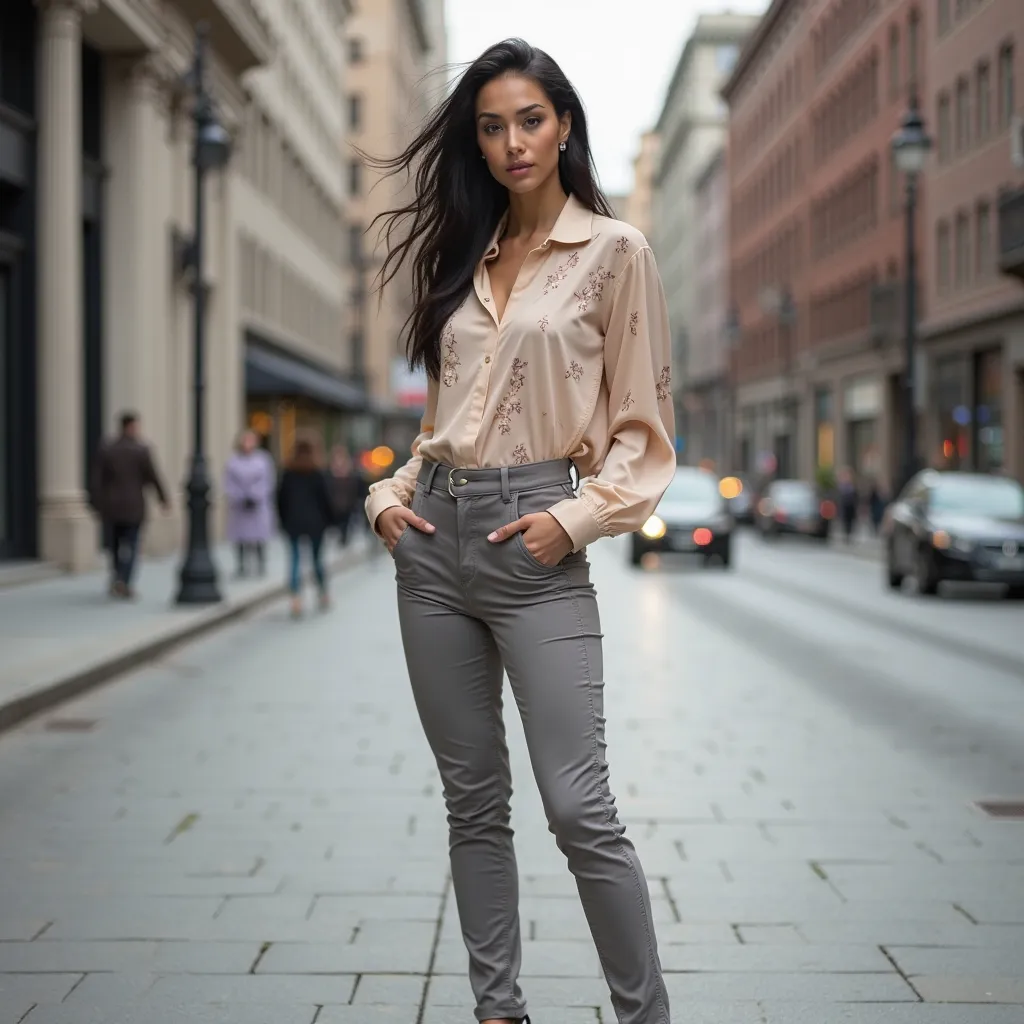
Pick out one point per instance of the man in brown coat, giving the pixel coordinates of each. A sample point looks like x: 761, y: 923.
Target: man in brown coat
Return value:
x: 122, y: 471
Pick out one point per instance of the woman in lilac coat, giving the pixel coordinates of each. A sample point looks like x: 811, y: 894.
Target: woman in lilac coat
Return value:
x: 250, y: 482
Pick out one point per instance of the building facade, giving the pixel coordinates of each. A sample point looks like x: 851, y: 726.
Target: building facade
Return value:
x: 708, y: 395
x: 817, y: 233
x: 691, y: 127
x: 396, y: 58
x: 974, y: 329
x: 96, y: 310
x: 638, y: 205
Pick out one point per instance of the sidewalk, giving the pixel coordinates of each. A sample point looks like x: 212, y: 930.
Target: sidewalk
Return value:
x: 64, y: 635
x: 864, y: 543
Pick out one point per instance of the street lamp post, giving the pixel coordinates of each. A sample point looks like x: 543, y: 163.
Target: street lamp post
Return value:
x: 211, y: 151
x: 910, y: 147
x: 733, y: 335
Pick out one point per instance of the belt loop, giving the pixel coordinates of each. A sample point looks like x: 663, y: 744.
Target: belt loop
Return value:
x: 429, y: 482
x: 506, y: 494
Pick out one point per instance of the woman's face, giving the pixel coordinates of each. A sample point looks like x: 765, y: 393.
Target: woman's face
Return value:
x: 248, y: 441
x: 518, y: 132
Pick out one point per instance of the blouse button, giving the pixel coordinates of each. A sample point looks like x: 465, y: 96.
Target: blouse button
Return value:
x: 486, y: 299
x: 487, y: 359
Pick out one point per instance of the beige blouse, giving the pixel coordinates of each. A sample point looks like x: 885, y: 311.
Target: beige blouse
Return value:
x: 578, y: 366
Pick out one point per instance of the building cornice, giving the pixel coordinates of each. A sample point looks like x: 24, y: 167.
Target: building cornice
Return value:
x: 419, y: 23
x: 769, y: 22
x: 238, y: 31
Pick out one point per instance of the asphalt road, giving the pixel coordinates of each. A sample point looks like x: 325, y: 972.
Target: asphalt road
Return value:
x: 252, y: 829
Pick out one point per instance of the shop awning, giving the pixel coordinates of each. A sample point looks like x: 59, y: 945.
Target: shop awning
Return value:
x: 273, y: 373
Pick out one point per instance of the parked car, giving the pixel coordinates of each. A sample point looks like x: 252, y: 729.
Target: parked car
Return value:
x: 691, y: 518
x: 958, y: 527
x: 737, y: 492
x: 794, y: 506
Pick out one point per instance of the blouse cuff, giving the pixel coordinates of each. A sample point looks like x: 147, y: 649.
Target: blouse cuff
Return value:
x: 379, y: 499
x: 579, y: 522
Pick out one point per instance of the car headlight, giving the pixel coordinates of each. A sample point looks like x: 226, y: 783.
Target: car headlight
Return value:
x: 654, y: 528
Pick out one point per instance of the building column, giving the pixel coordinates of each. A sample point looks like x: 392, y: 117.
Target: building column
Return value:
x: 138, y: 262
x: 67, y: 531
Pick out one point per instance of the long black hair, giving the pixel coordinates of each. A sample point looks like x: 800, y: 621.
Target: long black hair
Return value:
x: 447, y: 227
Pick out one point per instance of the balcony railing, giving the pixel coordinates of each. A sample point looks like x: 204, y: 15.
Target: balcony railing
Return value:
x: 1011, y: 233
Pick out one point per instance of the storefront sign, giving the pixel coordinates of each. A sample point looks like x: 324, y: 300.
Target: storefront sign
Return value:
x: 862, y: 399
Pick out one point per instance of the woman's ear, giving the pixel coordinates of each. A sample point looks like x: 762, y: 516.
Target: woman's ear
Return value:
x: 566, y: 126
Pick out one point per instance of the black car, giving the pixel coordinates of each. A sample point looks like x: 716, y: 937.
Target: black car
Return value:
x: 692, y: 518
x: 957, y: 526
x: 794, y: 506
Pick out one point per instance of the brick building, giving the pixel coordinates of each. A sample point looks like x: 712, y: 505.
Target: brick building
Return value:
x: 816, y: 233
x: 974, y: 327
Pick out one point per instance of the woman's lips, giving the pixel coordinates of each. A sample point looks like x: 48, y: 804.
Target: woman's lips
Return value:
x: 519, y: 169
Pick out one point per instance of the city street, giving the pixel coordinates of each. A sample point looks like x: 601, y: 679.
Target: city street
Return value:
x: 251, y: 831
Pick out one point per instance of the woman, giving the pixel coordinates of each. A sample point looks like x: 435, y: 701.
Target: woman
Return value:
x: 344, y: 483
x: 249, y: 479
x: 304, y: 509
x: 543, y: 329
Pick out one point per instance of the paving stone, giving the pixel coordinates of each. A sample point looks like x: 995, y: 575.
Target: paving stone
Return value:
x: 331, y: 958
x: 1004, y: 962
x: 772, y: 934
x: 162, y: 1012
x: 307, y: 989
x: 788, y: 958
x: 36, y: 988
x: 452, y: 990
x: 389, y: 990
x: 884, y: 932
x: 1009, y: 910
x: 886, y: 1013
x: 825, y: 988
x: 961, y: 988
x: 540, y: 959
x: 372, y: 1015
x: 377, y: 907
x: 151, y: 918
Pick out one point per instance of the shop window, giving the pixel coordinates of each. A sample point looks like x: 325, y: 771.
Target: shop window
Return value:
x: 988, y: 419
x: 983, y: 240
x: 953, y: 412
x: 894, y: 62
x: 944, y: 121
x: 963, y: 250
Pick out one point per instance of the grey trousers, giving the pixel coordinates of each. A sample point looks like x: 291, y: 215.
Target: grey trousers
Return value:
x: 470, y: 608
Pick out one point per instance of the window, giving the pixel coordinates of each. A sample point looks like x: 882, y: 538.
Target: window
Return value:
x: 984, y: 90
x: 355, y: 244
x: 894, y: 61
x: 944, y: 127
x: 355, y: 50
x: 942, y: 256
x: 943, y: 19
x: 963, y: 115
x: 355, y: 112
x: 355, y: 177
x: 962, y: 268
x: 1007, y: 100
x: 913, y: 43
x: 725, y: 58
x: 983, y: 241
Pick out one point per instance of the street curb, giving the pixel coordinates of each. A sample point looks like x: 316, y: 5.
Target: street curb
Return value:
x: 58, y: 691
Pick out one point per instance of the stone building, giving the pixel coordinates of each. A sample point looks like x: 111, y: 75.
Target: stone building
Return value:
x: 397, y: 51
x: 97, y: 214
x: 691, y: 127
x: 817, y: 236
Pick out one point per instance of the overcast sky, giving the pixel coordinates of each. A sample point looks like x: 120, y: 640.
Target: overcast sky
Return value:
x: 620, y: 55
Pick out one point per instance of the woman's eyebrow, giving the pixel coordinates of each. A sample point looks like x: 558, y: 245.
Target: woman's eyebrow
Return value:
x: 519, y: 113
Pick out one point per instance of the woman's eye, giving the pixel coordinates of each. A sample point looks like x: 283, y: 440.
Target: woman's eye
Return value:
x: 488, y: 131
x: 532, y: 122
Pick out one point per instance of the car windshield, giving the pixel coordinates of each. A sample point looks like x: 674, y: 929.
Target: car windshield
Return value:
x: 692, y: 487
x: 793, y: 495
x: 984, y: 496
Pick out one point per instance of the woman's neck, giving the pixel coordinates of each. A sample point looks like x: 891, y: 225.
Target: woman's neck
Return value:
x: 535, y: 212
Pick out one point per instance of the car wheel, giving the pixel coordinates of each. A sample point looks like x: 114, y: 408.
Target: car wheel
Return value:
x: 636, y: 554
x: 1015, y: 593
x: 727, y: 554
x: 925, y: 575
x: 893, y: 576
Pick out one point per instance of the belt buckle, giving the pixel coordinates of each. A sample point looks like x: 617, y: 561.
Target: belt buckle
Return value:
x: 450, y: 491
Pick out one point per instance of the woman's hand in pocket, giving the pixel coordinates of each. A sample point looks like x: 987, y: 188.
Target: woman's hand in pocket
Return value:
x: 542, y: 534
x: 394, y: 521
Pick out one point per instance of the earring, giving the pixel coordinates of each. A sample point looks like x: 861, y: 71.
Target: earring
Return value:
x: 561, y: 146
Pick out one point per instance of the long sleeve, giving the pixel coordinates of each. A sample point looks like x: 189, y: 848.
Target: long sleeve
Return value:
x: 153, y: 478
x: 400, y: 488
x: 641, y: 458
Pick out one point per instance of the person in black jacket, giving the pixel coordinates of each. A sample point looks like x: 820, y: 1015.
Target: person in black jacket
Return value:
x: 304, y: 511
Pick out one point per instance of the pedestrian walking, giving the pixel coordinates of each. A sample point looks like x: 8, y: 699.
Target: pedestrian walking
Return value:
x: 121, y: 472
x: 249, y: 482
x: 876, y: 506
x: 542, y: 325
x: 304, y: 511
x: 849, y: 501
x: 345, y: 487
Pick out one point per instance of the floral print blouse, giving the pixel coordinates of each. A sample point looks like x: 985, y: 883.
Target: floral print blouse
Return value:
x: 578, y: 366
